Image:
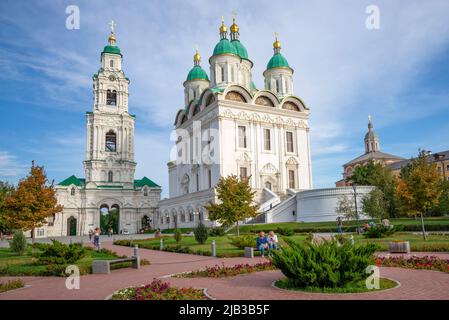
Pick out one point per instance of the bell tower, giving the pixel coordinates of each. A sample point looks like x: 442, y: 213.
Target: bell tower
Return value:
x: 110, y: 128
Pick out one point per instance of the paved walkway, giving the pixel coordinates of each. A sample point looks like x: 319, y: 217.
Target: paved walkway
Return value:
x: 415, y: 284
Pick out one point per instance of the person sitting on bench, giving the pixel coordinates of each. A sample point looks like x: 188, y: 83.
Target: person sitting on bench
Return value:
x: 262, y: 244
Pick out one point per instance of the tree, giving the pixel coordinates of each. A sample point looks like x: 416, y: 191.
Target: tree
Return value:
x: 235, y: 202
x: 374, y: 204
x: 381, y: 177
x: 346, y: 207
x: 443, y: 203
x: 28, y: 206
x: 5, y: 190
x: 419, y: 187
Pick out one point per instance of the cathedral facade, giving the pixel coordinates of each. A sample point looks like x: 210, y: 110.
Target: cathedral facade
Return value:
x: 109, y: 184
x: 228, y: 126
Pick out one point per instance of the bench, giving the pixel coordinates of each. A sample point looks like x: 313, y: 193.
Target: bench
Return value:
x: 104, y: 266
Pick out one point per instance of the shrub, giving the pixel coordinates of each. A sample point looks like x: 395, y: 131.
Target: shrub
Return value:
x: 59, y: 253
x: 243, y: 241
x: 217, y: 232
x: 201, y: 233
x: 11, y: 285
x: 379, y: 231
x: 18, y: 244
x: 285, y: 231
x: 327, y: 265
x: 341, y: 239
x: 57, y: 270
x: 177, y: 236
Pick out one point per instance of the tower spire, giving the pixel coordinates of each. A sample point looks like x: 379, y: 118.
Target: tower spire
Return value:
x: 112, y: 40
x: 223, y: 29
x: 196, y: 57
x: 276, y: 44
x: 234, y: 27
x: 371, y: 139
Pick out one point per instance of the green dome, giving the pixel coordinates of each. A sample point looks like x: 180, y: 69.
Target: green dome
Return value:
x: 224, y: 46
x: 241, y: 50
x: 197, y: 73
x: 111, y: 49
x: 277, y: 61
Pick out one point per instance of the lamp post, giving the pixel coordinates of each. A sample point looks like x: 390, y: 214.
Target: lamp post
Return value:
x: 355, y: 207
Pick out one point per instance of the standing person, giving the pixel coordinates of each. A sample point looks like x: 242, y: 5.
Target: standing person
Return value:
x: 272, y: 240
x: 90, y: 234
x: 110, y: 232
x: 339, y: 225
x: 97, y: 238
x: 262, y: 244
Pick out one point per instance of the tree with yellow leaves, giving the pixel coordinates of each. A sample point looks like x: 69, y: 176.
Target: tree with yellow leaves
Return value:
x: 31, y: 203
x: 418, y: 187
x: 235, y: 202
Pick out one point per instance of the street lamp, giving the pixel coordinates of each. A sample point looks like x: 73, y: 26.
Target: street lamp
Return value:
x: 356, y: 209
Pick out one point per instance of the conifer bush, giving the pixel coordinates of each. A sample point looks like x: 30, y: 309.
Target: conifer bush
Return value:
x: 18, y: 244
x: 328, y: 265
x: 201, y: 233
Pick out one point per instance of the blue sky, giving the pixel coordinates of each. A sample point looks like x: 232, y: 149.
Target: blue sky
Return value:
x: 343, y: 72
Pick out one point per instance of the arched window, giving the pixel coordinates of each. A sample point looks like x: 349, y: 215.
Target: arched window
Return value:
x: 111, y: 98
x: 222, y: 71
x: 191, y: 217
x: 111, y: 63
x: 278, y: 85
x: 110, y: 176
x: 111, y: 141
x: 72, y: 191
x: 145, y: 192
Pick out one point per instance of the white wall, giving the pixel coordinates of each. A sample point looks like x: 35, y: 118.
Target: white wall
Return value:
x: 320, y: 204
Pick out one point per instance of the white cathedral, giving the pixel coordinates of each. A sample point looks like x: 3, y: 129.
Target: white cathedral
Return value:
x: 262, y: 134
x: 227, y: 126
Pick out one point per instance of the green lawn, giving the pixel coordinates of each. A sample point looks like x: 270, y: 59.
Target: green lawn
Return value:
x: 432, y: 223
x: 14, y: 265
x: 435, y: 243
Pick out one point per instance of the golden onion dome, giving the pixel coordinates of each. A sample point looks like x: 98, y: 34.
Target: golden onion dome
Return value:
x: 196, y: 56
x: 234, y: 27
x: 223, y: 27
x: 112, y: 39
x: 276, y: 43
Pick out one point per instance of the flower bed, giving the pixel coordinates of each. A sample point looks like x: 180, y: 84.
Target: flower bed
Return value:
x: 11, y: 285
x: 218, y: 271
x: 414, y: 262
x: 158, y: 290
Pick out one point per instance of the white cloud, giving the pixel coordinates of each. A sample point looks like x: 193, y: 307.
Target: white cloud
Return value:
x: 10, y: 166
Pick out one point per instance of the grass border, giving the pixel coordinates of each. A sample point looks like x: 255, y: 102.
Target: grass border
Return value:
x: 398, y: 285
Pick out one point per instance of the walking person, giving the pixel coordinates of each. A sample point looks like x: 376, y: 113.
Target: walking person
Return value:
x: 110, y: 231
x: 339, y: 225
x: 97, y: 238
x: 90, y: 234
x: 262, y: 244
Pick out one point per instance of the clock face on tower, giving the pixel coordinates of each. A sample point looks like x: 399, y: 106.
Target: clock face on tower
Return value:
x: 112, y: 77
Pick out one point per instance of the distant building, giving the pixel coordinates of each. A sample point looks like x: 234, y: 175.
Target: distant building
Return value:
x: 372, y: 153
x: 440, y: 158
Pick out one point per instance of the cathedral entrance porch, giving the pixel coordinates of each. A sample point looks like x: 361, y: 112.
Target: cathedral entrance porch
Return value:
x: 109, y: 218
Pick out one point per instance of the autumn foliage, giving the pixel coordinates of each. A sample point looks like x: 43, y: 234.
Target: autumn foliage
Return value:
x: 34, y: 200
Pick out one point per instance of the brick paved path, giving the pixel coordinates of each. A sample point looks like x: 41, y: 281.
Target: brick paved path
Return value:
x: 415, y: 284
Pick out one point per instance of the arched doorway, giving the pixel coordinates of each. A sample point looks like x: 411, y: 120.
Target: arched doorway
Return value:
x: 109, y: 218
x: 71, y: 226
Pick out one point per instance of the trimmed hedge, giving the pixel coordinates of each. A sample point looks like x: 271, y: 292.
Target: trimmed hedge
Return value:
x: 404, y: 227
